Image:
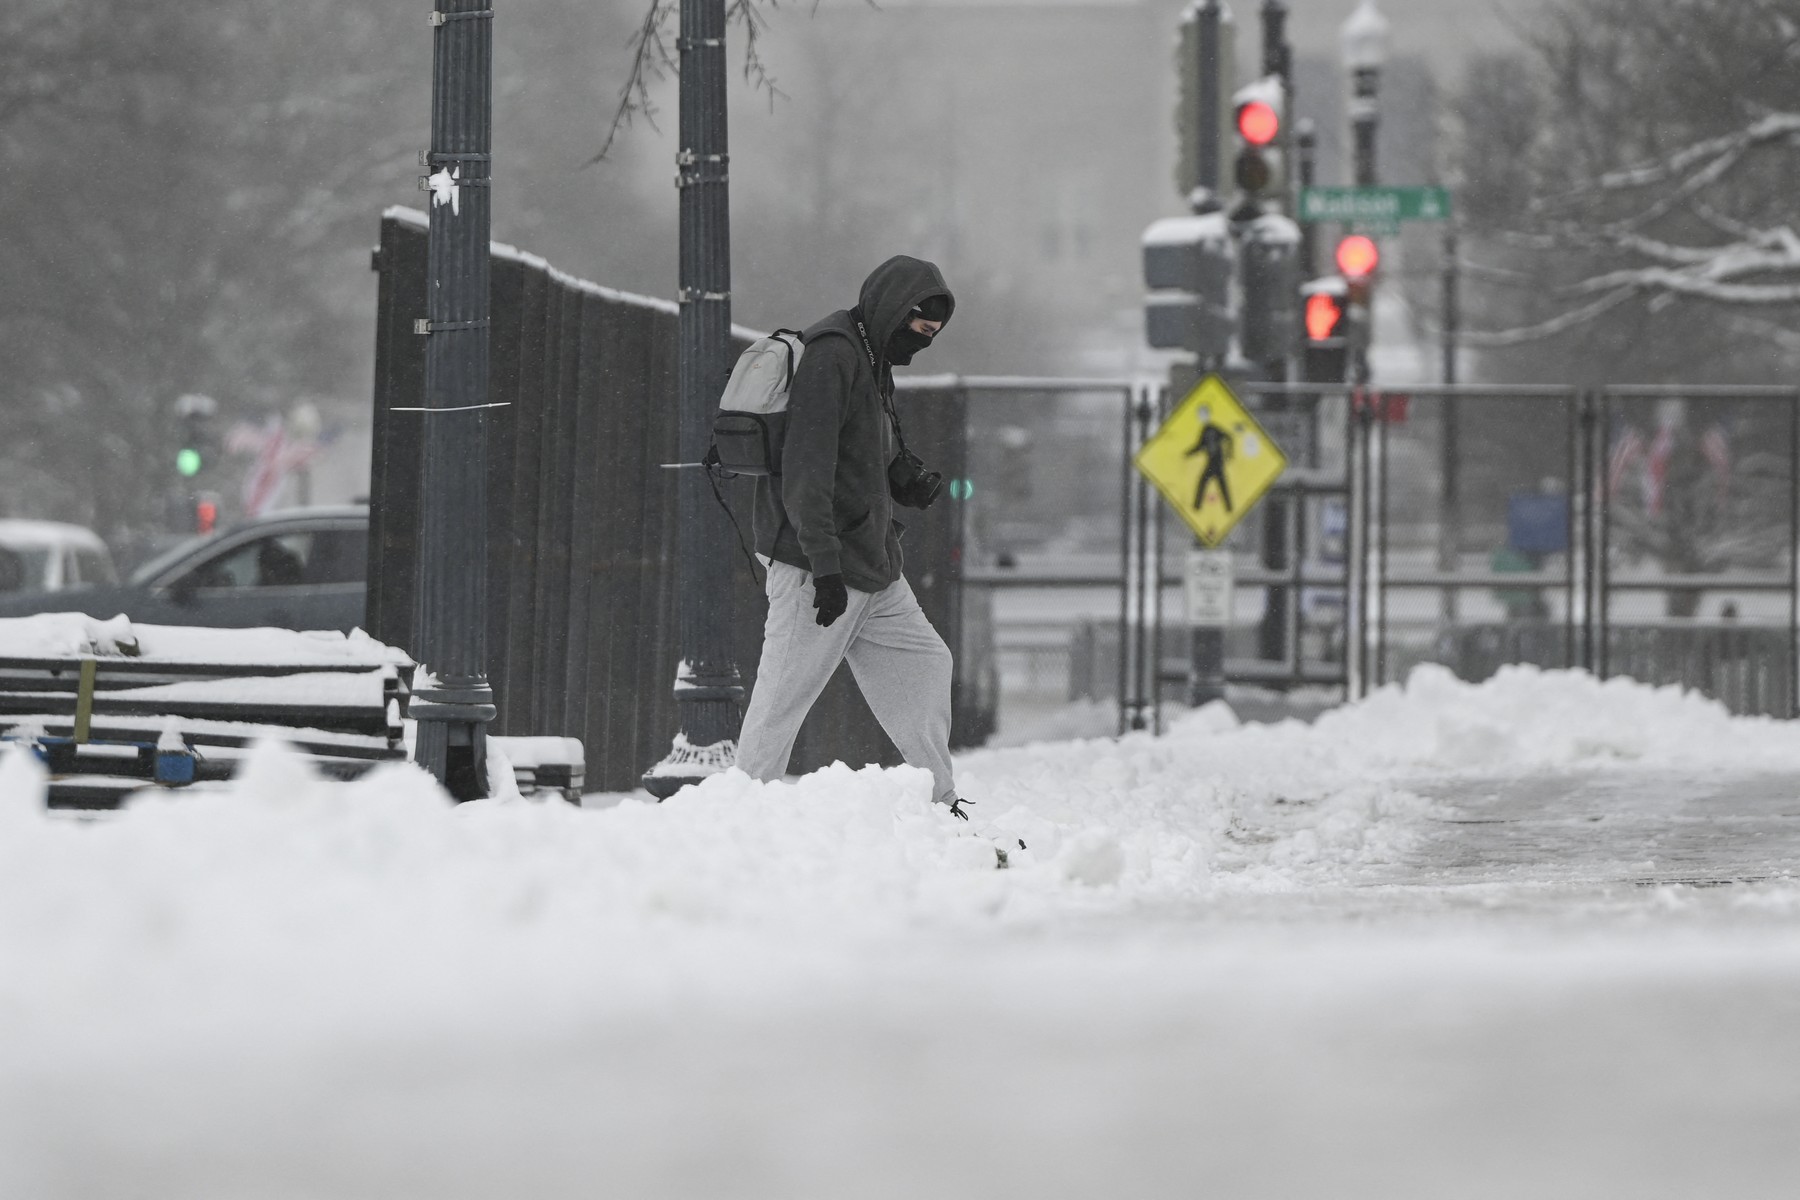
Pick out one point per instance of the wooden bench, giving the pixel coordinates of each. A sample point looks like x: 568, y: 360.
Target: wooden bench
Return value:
x: 113, y: 708
x: 124, y: 708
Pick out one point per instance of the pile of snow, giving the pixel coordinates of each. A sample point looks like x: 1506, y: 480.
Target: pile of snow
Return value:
x: 1526, y: 717
x: 333, y: 873
x: 1211, y: 804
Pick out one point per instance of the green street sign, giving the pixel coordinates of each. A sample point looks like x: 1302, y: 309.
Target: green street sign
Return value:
x: 1375, y: 209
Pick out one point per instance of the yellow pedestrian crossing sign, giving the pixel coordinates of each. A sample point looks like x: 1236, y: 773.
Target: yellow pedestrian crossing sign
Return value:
x: 1211, y: 461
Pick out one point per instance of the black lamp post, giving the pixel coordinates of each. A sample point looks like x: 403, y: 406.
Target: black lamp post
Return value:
x: 1363, y: 39
x: 451, y: 700
x: 708, y: 688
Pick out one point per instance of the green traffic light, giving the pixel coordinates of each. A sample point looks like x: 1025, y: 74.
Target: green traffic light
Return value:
x: 962, y: 489
x: 188, y: 461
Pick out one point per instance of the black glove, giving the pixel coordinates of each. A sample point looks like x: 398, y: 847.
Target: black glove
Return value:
x: 830, y: 597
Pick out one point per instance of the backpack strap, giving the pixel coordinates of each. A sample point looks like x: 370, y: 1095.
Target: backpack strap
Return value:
x: 798, y: 337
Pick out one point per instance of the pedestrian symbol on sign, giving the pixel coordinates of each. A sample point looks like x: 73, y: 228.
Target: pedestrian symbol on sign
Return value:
x: 1216, y: 444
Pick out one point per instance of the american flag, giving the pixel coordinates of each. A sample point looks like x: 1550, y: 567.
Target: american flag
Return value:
x: 277, y: 455
x: 1627, y: 451
x: 1715, y: 447
x: 268, y: 471
x: 1656, y: 468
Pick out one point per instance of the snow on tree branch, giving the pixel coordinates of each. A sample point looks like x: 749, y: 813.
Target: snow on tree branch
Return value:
x: 1725, y: 151
x: 1710, y: 275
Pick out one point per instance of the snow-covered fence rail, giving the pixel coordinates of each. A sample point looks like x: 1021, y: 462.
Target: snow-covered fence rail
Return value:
x: 581, y: 518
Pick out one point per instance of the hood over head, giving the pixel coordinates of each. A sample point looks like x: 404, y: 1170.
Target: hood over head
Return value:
x: 894, y: 289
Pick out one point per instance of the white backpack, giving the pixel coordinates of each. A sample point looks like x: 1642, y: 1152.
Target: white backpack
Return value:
x: 752, y: 418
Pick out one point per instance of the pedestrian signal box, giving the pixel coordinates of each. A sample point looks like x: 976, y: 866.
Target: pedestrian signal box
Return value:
x: 1211, y: 461
x: 1324, y: 313
x: 1325, y: 308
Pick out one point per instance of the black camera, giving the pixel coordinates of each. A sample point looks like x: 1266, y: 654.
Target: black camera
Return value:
x: 910, y: 484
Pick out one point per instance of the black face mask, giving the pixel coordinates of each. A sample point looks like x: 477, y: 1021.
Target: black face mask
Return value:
x: 905, y: 343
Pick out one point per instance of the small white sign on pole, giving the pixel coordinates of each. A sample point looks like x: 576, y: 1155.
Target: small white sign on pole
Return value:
x: 1209, y: 580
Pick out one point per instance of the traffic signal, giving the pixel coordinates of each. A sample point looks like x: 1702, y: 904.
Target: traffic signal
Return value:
x: 206, y: 513
x: 194, y: 415
x: 1258, y: 116
x: 1325, y: 307
x: 1358, y: 257
x: 1205, y: 60
x: 1188, y: 267
x: 1270, y: 247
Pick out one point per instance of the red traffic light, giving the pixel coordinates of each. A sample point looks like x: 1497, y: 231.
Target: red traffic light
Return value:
x: 206, y: 516
x: 1323, y: 312
x: 1358, y: 256
x: 1258, y: 123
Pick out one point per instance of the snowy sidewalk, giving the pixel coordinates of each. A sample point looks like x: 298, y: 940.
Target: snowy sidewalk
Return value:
x: 1437, y: 944
x: 1649, y: 827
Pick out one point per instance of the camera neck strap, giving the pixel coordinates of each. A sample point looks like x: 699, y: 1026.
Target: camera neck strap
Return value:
x: 887, y: 399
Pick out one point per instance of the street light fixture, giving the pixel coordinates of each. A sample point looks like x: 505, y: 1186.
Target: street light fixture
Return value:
x: 1363, y: 39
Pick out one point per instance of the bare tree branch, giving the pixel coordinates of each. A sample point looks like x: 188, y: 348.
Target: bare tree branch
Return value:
x: 756, y: 70
x: 651, y: 63
x: 1490, y: 339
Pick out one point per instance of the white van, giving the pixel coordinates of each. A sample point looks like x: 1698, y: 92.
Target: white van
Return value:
x: 49, y: 556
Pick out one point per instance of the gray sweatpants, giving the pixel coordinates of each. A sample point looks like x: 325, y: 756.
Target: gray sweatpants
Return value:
x: 900, y: 663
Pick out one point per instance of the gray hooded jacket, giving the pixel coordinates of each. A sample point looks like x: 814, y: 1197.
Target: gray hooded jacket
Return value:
x: 829, y: 512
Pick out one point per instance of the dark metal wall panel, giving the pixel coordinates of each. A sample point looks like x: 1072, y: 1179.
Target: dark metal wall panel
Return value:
x: 504, y: 336
x: 587, y: 526
x: 395, y: 469
x: 519, y: 636
x: 619, y: 617
x: 555, y: 513
x: 380, y: 429
x: 657, y: 720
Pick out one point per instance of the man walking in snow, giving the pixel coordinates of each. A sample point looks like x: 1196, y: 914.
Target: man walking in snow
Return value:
x: 825, y: 529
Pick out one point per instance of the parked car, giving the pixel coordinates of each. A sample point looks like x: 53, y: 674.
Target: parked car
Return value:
x: 49, y: 556
x: 301, y: 569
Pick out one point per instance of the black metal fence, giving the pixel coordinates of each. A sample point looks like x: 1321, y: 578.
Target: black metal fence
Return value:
x: 1652, y: 530
x: 1649, y: 532
x: 581, y: 517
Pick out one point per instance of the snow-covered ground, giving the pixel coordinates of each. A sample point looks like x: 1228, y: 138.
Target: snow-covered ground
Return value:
x: 1266, y: 960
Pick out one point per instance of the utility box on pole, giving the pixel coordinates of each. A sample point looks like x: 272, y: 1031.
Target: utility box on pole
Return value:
x: 1188, y: 267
